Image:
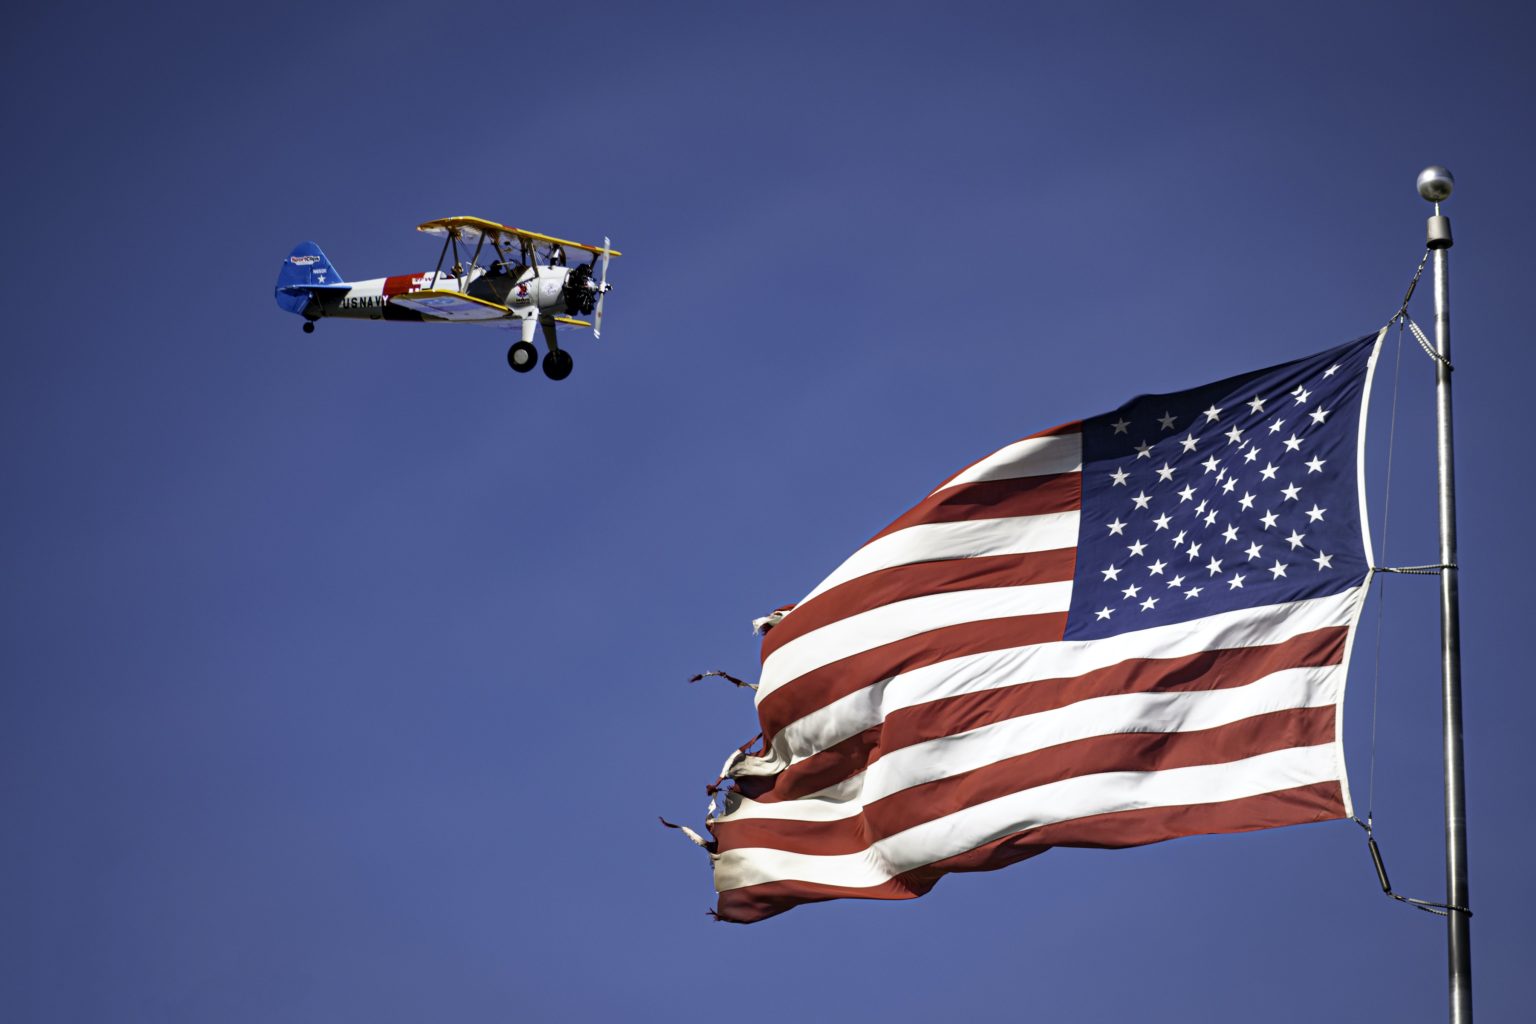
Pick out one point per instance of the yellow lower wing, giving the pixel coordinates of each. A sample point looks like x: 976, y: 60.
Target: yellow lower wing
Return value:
x: 445, y: 305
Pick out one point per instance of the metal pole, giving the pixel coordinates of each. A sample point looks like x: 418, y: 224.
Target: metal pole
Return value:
x: 1435, y: 184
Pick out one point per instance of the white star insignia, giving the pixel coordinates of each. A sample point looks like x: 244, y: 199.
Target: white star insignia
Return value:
x: 1187, y: 493
x: 1323, y: 561
x: 1194, y: 550
x: 1234, y: 435
x: 1250, y: 454
x: 1176, y: 582
x: 1142, y: 500
x: 1161, y: 522
x: 1301, y: 394
x: 1246, y: 501
x: 1189, y: 442
x: 1314, y: 513
x: 1214, y: 567
x: 1229, y: 534
x: 1157, y: 567
x: 1121, y: 425
x: 1290, y: 492
x: 1319, y: 414
x: 1295, y: 540
x: 1274, y: 428
x: 1210, y: 518
x: 1331, y: 370
x: 1178, y: 540
x: 1278, y: 569
x: 1119, y: 476
x: 1253, y: 551
x: 1144, y: 450
x: 1191, y: 592
x: 1111, y: 574
x: 1136, y: 548
x: 1210, y: 464
x: 1231, y: 482
x: 1116, y: 528
x: 1293, y: 443
x: 1164, y: 472
x: 1149, y: 604
x: 1105, y: 612
x: 1316, y: 465
x: 1212, y: 414
x: 1268, y: 472
x: 1268, y: 519
x: 1257, y: 405
x: 1235, y: 582
x: 1131, y: 591
x: 1166, y: 419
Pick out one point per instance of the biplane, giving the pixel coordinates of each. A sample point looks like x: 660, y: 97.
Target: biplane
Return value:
x: 524, y: 284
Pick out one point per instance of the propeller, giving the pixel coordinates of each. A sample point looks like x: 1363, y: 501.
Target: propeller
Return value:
x: 602, y: 290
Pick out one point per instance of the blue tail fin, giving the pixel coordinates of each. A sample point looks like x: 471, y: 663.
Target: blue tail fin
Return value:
x: 304, y: 268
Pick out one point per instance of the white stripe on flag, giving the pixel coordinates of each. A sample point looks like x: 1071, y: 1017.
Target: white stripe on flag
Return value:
x: 949, y: 756
x: 901, y: 619
x: 1066, y: 800
x: 933, y: 542
x: 1033, y: 456
x: 852, y: 714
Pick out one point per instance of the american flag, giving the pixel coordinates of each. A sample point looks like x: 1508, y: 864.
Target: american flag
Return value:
x: 1115, y: 632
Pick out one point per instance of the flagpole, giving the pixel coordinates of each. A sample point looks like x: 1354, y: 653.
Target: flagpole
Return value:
x: 1435, y: 184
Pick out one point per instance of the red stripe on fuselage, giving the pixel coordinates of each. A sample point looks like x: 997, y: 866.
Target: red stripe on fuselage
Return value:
x: 402, y: 283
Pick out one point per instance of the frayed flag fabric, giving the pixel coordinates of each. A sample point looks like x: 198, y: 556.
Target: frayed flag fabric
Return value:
x: 1119, y: 631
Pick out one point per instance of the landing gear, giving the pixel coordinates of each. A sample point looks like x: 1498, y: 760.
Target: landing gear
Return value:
x: 309, y: 327
x: 522, y: 356
x: 558, y: 364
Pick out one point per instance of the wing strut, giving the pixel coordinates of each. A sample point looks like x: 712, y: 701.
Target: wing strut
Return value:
x: 440, y: 257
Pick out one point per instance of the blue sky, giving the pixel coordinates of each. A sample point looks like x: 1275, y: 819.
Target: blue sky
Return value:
x: 342, y: 675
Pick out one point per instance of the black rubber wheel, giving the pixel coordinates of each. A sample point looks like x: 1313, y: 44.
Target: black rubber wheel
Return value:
x: 309, y: 327
x: 558, y: 365
x: 522, y: 356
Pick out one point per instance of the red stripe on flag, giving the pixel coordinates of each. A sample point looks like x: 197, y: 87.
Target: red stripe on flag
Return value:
x: 1321, y: 801
x: 1123, y: 752
x: 995, y: 499
x: 903, y: 727
x: 901, y: 582
x: 826, y: 684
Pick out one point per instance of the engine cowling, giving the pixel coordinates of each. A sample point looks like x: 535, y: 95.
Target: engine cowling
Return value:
x: 579, y: 293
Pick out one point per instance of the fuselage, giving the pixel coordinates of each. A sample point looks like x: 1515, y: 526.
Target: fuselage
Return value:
x: 525, y: 291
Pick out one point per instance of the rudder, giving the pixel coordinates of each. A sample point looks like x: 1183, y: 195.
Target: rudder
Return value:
x: 305, y: 267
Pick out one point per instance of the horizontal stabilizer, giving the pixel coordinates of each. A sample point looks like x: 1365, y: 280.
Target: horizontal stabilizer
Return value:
x: 445, y: 305
x: 310, y: 289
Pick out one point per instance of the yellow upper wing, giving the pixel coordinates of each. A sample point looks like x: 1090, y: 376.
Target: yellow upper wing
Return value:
x: 474, y: 228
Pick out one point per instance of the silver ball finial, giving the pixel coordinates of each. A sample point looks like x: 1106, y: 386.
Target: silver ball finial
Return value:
x: 1435, y: 183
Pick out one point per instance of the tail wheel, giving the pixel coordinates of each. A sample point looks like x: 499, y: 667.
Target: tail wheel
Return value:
x: 309, y: 327
x: 558, y: 365
x: 522, y: 356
